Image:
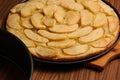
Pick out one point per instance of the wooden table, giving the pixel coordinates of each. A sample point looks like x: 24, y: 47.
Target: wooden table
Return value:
x: 77, y: 72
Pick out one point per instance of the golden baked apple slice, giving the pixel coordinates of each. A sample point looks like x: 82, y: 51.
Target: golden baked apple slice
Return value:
x: 68, y: 4
x: 113, y: 23
x: 50, y: 10
x: 94, y: 35
x: 86, y: 17
x: 100, y: 20
x: 91, y: 5
x: 17, y: 8
x: 48, y: 21
x: 13, y: 21
x: 46, y: 52
x: 80, y: 32
x: 25, y: 22
x: 34, y: 36
x: 52, y: 36
x: 76, y: 50
x: 71, y: 17
x: 62, y: 44
x: 36, y: 20
x: 103, y: 42
x: 59, y: 15
x: 106, y: 8
x: 30, y: 7
x: 64, y: 28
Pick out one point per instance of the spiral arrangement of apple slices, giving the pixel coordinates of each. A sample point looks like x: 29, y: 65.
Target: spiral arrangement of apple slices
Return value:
x: 64, y: 29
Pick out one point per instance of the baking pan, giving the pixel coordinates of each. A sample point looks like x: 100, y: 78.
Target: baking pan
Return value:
x: 81, y: 60
x: 13, y: 49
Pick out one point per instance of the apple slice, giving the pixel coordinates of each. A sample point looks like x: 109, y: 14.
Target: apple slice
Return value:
x: 52, y: 36
x: 91, y: 5
x: 113, y: 23
x: 36, y: 20
x: 71, y: 17
x: 64, y: 28
x: 62, y: 44
x: 25, y: 22
x: 46, y: 52
x: 94, y: 35
x: 13, y: 21
x: 86, y: 17
x: 76, y: 50
x: 34, y: 36
x: 80, y: 32
x: 48, y: 21
x: 100, y: 20
x: 101, y: 43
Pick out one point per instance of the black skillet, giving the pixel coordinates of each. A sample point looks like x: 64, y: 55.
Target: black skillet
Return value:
x: 81, y: 60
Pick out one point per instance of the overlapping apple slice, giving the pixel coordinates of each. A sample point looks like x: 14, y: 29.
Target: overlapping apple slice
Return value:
x: 36, y: 20
x: 100, y: 20
x: 76, y: 50
x: 46, y: 52
x: 25, y: 22
x: 34, y: 36
x: 62, y: 44
x: 94, y: 35
x: 86, y: 18
x: 101, y: 43
x: 13, y: 21
x: 52, y: 36
x: 64, y: 28
x: 91, y: 5
x: 80, y: 32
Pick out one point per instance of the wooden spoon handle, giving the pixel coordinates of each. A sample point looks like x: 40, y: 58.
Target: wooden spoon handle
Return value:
x: 101, y: 62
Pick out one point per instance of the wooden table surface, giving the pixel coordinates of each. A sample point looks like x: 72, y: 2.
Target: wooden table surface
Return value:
x: 69, y: 72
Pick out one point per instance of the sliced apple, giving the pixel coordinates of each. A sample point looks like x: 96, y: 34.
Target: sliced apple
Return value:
x: 17, y: 8
x: 94, y: 35
x: 36, y: 20
x: 76, y: 50
x: 100, y: 20
x: 80, y: 32
x: 106, y: 8
x: 52, y: 36
x: 72, y: 5
x: 30, y: 7
x: 34, y: 36
x: 25, y: 22
x: 91, y: 5
x: 62, y: 44
x: 50, y: 10
x: 71, y: 17
x: 113, y: 23
x: 13, y: 21
x: 45, y: 52
x: 48, y: 21
x: 103, y: 42
x: 64, y: 28
x: 86, y: 18
x: 59, y: 15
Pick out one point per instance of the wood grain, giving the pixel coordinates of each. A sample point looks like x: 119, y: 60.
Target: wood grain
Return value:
x: 58, y: 72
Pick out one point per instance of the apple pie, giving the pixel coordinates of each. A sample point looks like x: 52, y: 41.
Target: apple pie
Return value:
x: 64, y: 30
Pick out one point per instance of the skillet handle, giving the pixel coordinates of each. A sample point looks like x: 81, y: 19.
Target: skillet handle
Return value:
x: 101, y: 62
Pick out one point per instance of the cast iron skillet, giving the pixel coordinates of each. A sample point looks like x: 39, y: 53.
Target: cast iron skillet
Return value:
x: 12, y: 48
x: 81, y: 60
